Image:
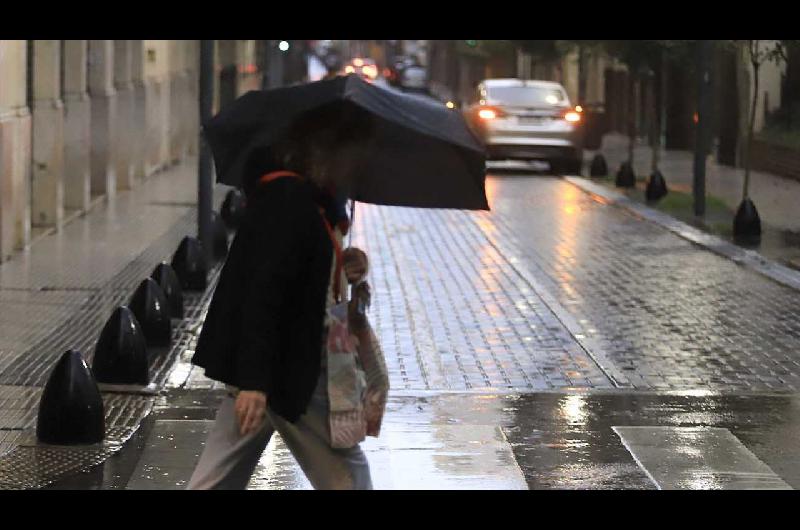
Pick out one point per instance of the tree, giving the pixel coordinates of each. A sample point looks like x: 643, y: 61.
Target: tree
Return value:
x: 747, y: 222
x: 544, y: 50
x: 758, y: 53
x: 550, y: 51
x: 644, y: 57
x: 757, y: 57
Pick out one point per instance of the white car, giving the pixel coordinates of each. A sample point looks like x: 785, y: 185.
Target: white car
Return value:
x: 529, y: 120
x: 414, y: 77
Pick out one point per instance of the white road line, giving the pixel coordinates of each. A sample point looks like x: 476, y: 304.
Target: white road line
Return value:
x: 677, y: 458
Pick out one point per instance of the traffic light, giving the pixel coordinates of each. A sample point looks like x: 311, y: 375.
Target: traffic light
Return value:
x: 472, y: 43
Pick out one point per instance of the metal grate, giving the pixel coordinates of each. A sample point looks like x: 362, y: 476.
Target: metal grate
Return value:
x: 83, y: 324
x: 24, y: 463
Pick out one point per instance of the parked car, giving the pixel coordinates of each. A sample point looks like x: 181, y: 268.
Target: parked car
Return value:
x: 528, y: 120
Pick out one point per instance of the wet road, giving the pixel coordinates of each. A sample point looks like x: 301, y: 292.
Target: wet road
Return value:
x: 562, y: 441
x: 491, y: 441
x: 663, y: 312
x: 555, y: 289
x: 524, y: 344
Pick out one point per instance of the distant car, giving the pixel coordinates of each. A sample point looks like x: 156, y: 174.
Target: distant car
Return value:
x: 366, y: 68
x: 528, y: 120
x: 394, y: 70
x: 414, y: 77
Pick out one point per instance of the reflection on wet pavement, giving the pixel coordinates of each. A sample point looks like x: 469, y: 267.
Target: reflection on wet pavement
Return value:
x: 560, y: 444
x: 557, y: 441
x: 697, y: 458
x: 452, y: 313
x: 417, y: 450
x: 171, y: 454
x: 665, y: 313
x: 536, y: 441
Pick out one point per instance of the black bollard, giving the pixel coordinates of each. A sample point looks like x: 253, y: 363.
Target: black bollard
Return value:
x: 71, y: 410
x: 189, y: 263
x: 219, y: 236
x: 164, y: 275
x: 656, y: 187
x: 120, y: 357
x: 149, y: 305
x: 747, y: 223
x: 232, y: 210
x: 598, y: 167
x: 626, y: 178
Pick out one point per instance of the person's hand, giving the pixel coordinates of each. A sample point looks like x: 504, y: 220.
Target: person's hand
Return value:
x: 251, y: 408
x: 355, y: 264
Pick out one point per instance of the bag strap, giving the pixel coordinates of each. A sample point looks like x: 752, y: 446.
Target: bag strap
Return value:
x: 337, y: 280
x: 337, y: 247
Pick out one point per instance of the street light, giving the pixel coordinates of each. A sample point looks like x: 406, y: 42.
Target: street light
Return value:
x: 283, y: 46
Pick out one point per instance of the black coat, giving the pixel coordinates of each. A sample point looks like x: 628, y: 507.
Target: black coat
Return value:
x: 265, y: 322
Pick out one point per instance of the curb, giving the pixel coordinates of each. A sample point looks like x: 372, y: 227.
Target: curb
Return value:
x: 744, y: 257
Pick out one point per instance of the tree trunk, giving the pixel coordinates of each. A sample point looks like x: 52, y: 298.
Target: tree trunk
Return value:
x: 790, y: 94
x: 581, y: 75
x: 631, y: 116
x: 754, y: 60
x: 659, y: 100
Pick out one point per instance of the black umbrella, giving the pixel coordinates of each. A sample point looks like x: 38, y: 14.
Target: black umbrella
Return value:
x: 423, y: 154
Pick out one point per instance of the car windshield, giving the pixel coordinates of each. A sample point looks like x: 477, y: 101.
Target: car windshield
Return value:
x: 527, y: 96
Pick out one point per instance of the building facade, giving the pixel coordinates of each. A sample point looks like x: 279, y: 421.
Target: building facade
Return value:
x: 81, y: 120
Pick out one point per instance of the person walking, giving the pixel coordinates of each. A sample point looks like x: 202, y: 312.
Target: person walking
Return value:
x: 265, y: 330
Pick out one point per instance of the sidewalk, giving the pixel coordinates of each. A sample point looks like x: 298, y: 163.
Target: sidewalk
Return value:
x: 57, y: 295
x: 775, y: 197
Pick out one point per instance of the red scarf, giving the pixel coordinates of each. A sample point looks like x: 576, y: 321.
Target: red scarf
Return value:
x: 269, y: 177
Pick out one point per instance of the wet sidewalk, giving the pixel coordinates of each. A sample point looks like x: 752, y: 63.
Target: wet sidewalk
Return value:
x: 775, y: 197
x: 544, y: 440
x: 57, y: 295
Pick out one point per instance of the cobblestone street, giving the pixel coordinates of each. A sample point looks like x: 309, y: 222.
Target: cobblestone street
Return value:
x: 657, y: 311
x: 453, y: 314
x: 518, y: 339
x: 522, y: 343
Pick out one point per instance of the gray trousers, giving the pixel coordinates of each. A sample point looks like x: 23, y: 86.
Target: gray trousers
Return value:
x: 229, y: 459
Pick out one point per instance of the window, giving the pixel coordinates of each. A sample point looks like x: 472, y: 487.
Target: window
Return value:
x: 527, y: 96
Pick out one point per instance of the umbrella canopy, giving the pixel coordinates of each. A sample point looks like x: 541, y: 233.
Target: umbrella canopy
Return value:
x: 422, y: 153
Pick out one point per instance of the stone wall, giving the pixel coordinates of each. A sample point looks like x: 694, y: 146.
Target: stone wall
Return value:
x: 776, y: 159
x: 15, y: 148
x: 123, y: 110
